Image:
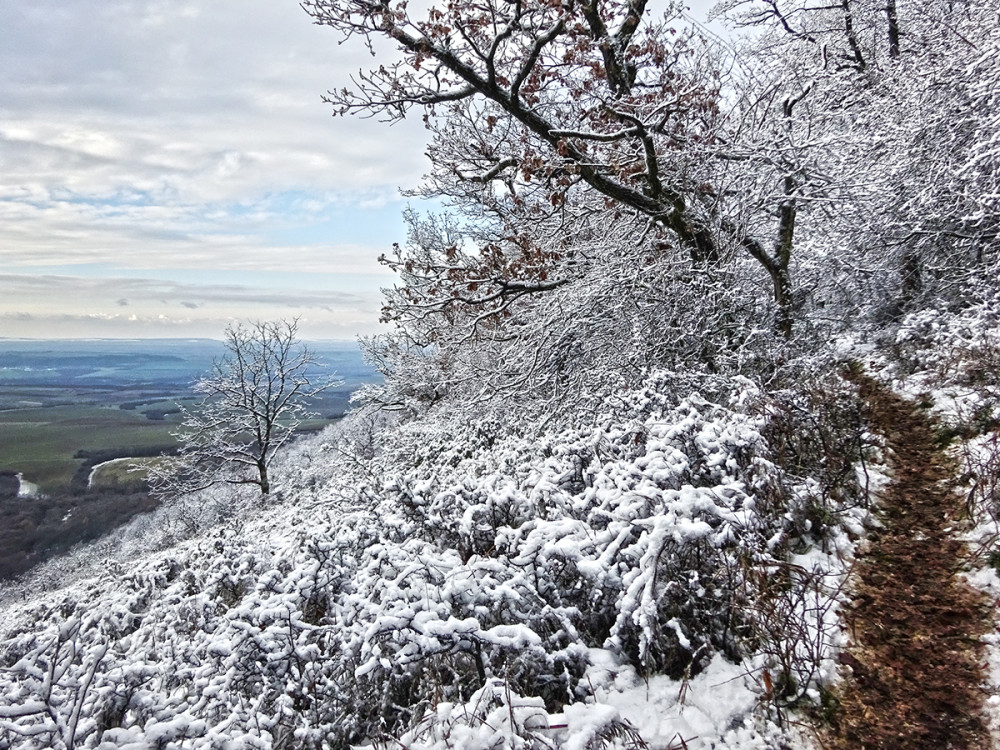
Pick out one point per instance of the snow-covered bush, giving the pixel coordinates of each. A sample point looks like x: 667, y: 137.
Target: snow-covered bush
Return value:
x: 433, y: 571
x: 954, y: 356
x: 960, y: 347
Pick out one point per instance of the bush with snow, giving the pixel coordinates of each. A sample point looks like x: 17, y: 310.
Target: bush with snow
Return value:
x: 478, y: 562
x: 951, y: 357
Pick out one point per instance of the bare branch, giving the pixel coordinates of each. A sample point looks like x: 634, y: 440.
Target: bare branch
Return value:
x: 253, y: 400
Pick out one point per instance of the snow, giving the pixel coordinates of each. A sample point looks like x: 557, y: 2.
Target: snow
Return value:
x: 25, y: 488
x: 944, y: 351
x: 987, y: 580
x: 700, y: 710
x: 538, y: 589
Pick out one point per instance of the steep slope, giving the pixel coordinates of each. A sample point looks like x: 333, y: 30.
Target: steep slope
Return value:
x: 631, y: 578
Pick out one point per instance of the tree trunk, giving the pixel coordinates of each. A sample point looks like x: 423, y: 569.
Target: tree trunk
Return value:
x: 777, y: 267
x: 783, y: 299
x: 890, y: 11
x: 852, y: 37
x: 265, y: 482
x: 912, y: 281
x: 783, y: 255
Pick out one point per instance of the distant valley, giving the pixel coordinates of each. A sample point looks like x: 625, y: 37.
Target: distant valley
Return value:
x: 67, y: 406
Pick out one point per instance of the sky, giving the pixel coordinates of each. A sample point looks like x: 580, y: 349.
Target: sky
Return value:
x: 168, y: 166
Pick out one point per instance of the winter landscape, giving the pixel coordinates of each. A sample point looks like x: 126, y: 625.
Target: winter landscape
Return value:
x: 76, y: 415
x: 678, y: 431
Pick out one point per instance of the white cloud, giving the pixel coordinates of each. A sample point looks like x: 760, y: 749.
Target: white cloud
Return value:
x: 146, y: 291
x: 47, y: 305
x: 230, y: 83
x: 159, y: 134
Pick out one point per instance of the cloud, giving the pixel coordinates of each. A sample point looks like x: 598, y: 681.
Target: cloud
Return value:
x: 189, y: 134
x: 64, y: 325
x: 215, y: 89
x: 192, y: 296
x: 21, y: 325
x: 273, y: 233
x: 58, y: 305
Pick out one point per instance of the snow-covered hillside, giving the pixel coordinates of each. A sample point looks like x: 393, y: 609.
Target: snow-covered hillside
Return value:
x: 650, y: 575
x: 607, y: 491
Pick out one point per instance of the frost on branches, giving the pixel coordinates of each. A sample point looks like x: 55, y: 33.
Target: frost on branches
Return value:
x: 549, y: 578
x: 252, y: 402
x: 568, y: 517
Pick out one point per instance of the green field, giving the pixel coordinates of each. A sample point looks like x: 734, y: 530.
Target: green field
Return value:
x: 41, y: 442
x: 120, y: 475
x: 109, y: 398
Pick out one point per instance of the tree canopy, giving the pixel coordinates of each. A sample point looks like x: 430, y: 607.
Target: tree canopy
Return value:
x: 612, y: 172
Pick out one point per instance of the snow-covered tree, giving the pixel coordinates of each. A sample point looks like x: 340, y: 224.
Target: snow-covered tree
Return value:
x: 895, y: 121
x: 253, y: 399
x: 552, y: 115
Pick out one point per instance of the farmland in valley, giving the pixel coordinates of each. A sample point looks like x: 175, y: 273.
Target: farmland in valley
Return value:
x: 66, y: 406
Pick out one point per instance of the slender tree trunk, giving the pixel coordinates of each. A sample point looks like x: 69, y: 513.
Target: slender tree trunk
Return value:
x: 777, y: 267
x: 890, y: 11
x: 783, y: 298
x: 265, y: 482
x: 787, y: 214
x: 852, y: 37
x: 912, y: 281
x: 783, y: 258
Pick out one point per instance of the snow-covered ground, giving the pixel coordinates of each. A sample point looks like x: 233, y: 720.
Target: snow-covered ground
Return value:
x: 601, y: 585
x: 26, y: 488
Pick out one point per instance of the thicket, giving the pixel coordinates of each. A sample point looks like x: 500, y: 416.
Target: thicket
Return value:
x: 952, y: 351
x: 482, y: 561
x: 33, y: 530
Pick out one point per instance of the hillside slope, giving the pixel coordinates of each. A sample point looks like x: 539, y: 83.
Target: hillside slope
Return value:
x: 652, y: 575
x: 671, y: 568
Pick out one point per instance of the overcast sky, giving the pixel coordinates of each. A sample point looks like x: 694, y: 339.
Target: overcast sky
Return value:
x: 167, y: 166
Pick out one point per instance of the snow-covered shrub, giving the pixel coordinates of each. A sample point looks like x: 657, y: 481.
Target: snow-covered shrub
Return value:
x: 442, y: 568
x: 818, y: 431
x: 497, y: 718
x: 624, y: 522
x: 980, y: 457
x: 955, y: 354
x: 960, y: 347
x: 641, y: 534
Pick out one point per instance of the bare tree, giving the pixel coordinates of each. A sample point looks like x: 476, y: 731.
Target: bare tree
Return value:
x: 542, y: 112
x: 253, y: 399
